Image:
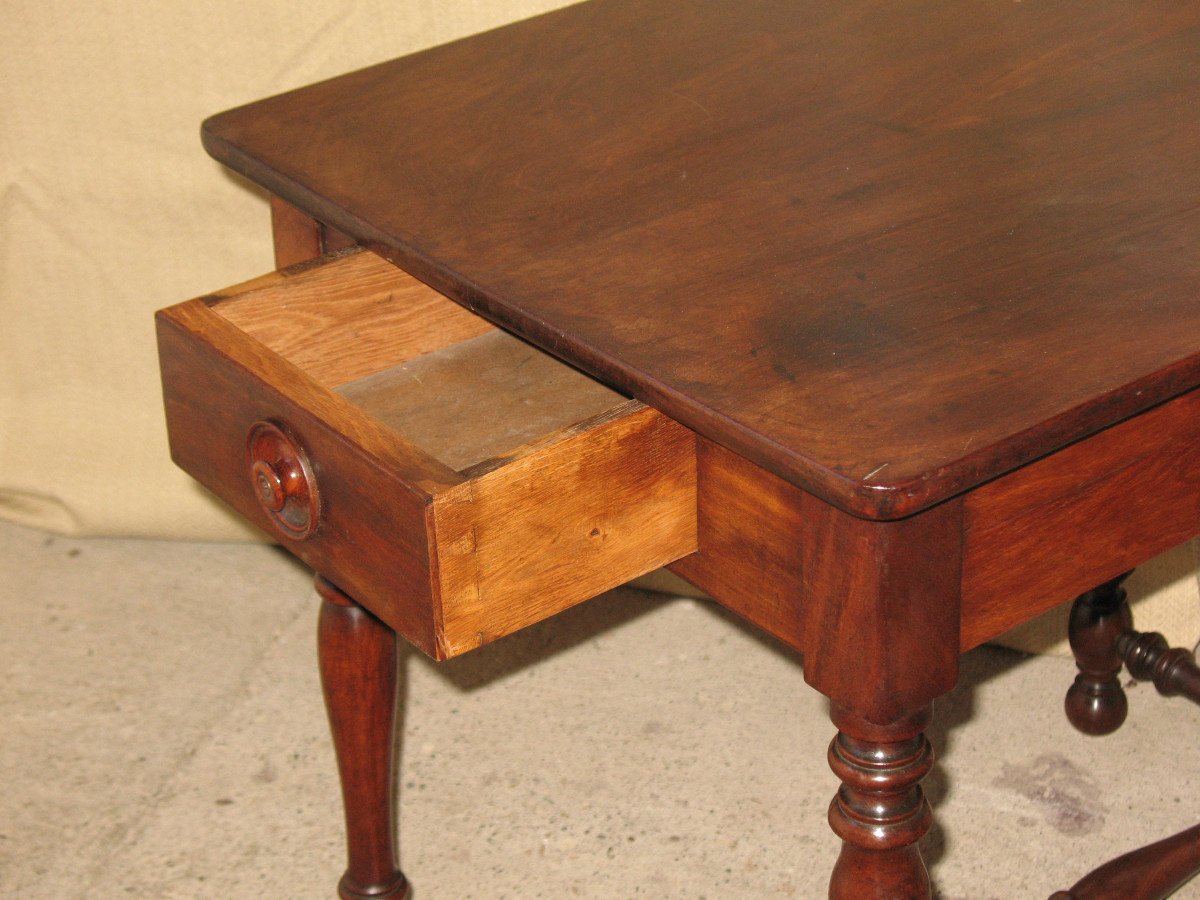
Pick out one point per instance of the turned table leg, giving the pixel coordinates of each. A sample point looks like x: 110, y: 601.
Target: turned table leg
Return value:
x: 1096, y: 703
x: 358, y: 674
x: 1103, y: 640
x: 880, y: 811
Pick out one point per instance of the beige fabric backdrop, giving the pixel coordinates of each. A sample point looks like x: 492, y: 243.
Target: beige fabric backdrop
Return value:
x: 111, y: 209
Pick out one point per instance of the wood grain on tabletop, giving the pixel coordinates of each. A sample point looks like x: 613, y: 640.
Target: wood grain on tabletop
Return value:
x: 882, y: 249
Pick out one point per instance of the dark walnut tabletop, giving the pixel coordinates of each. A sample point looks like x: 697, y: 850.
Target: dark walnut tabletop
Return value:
x: 886, y: 249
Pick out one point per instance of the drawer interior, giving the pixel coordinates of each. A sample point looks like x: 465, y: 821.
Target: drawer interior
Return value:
x: 464, y: 391
x: 479, y: 399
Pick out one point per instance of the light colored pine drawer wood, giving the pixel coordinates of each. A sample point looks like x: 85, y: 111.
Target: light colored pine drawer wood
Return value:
x: 458, y: 482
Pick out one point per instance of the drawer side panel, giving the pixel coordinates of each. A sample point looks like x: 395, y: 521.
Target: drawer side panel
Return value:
x: 563, y: 523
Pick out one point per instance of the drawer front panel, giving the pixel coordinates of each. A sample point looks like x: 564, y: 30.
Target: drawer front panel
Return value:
x: 371, y: 536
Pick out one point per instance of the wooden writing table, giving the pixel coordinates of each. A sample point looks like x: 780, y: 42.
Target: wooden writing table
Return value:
x: 893, y: 312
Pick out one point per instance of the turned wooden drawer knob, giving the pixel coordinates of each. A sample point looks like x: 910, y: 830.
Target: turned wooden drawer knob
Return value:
x: 282, y: 480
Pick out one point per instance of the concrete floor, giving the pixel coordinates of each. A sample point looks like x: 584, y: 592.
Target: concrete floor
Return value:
x: 163, y: 736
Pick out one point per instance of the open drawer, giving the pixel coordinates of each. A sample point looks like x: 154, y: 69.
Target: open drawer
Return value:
x: 458, y: 482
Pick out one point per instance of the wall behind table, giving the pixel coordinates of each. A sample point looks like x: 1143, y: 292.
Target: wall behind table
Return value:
x: 110, y: 209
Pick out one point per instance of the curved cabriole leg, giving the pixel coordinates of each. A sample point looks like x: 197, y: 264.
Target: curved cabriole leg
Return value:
x: 880, y: 812
x: 358, y: 674
x: 1096, y: 703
